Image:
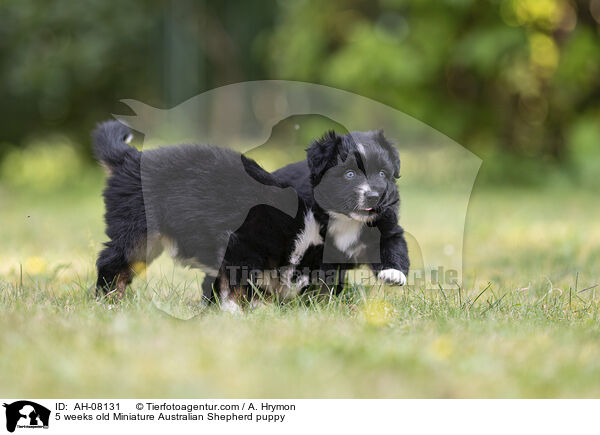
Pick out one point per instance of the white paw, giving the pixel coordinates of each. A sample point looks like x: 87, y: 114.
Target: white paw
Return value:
x: 394, y: 276
x: 300, y: 283
x: 287, y: 278
x: 230, y: 306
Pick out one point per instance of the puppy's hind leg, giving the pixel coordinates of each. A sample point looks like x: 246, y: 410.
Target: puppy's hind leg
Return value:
x: 114, y: 270
x: 210, y: 287
x: 228, y: 297
x: 120, y: 260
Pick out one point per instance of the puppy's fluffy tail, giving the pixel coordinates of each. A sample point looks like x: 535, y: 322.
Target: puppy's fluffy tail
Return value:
x: 111, y: 140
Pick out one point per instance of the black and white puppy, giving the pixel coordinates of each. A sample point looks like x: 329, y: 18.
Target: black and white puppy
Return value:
x: 348, y: 183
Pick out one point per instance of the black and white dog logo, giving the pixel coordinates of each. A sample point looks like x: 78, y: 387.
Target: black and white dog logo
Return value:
x: 25, y: 414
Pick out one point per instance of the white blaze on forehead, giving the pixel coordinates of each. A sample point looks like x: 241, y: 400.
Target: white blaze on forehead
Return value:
x: 362, y: 191
x: 361, y: 149
x: 363, y: 188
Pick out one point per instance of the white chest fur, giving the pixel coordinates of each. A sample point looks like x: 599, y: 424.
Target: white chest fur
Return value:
x: 344, y: 232
x: 308, y: 237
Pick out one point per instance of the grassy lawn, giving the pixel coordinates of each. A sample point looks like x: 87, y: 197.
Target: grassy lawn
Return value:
x: 523, y: 325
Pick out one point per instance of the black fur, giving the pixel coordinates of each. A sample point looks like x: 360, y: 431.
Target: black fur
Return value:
x: 110, y: 145
x: 216, y: 207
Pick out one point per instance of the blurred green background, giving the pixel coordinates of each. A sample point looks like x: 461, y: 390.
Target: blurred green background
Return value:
x: 515, y: 81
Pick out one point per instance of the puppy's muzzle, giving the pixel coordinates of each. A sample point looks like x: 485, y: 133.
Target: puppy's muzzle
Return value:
x: 371, y: 199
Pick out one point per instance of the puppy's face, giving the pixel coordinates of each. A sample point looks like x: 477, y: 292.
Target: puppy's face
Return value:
x: 354, y: 174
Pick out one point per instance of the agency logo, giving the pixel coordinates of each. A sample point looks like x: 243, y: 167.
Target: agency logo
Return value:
x: 438, y: 174
x: 24, y: 414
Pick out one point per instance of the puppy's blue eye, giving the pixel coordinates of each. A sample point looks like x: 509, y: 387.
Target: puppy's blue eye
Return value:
x: 349, y: 174
x: 382, y: 173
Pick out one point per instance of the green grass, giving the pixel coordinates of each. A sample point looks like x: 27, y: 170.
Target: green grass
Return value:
x: 523, y: 324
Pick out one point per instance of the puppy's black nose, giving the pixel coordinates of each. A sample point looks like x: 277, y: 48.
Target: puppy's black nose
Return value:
x: 371, y: 198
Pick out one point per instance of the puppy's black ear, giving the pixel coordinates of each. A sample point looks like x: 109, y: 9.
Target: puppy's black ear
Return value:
x: 322, y: 155
x: 391, y: 149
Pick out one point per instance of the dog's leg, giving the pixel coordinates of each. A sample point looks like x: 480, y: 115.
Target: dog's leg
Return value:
x: 119, y: 262
x: 210, y: 285
x: 341, y: 281
x: 227, y: 297
x: 114, y: 270
x: 394, y: 264
x: 230, y: 306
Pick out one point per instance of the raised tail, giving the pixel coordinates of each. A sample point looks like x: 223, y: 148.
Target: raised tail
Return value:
x: 111, y: 140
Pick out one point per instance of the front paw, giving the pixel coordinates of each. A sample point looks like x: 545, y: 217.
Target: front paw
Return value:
x: 393, y: 276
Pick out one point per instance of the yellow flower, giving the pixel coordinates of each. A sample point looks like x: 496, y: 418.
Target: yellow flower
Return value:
x: 139, y: 267
x: 34, y: 265
x: 442, y: 348
x: 378, y: 312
